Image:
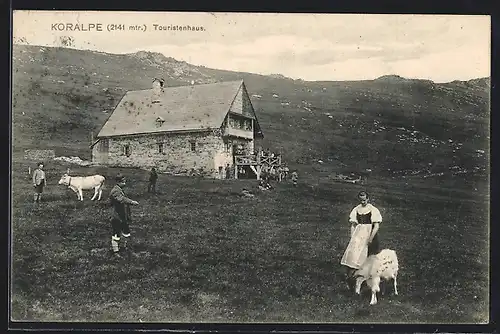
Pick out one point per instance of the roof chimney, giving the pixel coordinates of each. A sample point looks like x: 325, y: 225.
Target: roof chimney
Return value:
x: 157, y: 89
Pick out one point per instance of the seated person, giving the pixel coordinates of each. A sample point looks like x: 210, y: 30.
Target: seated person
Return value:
x: 264, y: 184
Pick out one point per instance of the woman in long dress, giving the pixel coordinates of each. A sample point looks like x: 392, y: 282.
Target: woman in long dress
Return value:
x: 365, y: 221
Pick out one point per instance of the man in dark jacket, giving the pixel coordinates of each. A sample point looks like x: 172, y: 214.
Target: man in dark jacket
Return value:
x: 121, y: 214
x: 153, y: 176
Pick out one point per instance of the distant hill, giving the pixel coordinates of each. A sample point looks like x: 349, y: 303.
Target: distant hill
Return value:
x: 60, y: 95
x: 391, y: 78
x: 279, y: 76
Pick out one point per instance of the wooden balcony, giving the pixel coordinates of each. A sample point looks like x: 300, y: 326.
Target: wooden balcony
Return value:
x: 257, y: 163
x: 246, y: 160
x: 247, y: 134
x: 255, y: 159
x: 271, y: 161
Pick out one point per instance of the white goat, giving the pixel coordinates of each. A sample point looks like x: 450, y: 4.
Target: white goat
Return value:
x: 79, y: 183
x: 383, y: 265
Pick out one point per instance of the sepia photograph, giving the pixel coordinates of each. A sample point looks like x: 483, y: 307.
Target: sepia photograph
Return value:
x: 198, y: 167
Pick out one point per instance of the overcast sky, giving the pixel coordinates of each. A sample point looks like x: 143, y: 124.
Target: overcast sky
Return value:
x: 307, y: 46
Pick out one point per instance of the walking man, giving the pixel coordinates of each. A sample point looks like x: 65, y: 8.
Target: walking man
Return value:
x: 121, y: 215
x: 153, y: 176
x: 38, y: 182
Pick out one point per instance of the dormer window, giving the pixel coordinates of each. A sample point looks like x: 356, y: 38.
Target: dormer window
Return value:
x: 159, y: 121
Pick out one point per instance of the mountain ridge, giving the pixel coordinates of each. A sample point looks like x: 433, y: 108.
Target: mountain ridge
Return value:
x: 60, y: 95
x: 162, y: 58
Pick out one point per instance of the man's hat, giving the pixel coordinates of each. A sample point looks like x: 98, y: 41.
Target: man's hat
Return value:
x: 119, y: 177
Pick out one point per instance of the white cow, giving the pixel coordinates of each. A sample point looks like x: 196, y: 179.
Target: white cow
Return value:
x: 79, y: 183
x: 383, y: 265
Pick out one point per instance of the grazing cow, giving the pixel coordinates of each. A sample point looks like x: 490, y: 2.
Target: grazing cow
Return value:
x: 79, y: 183
x: 383, y: 265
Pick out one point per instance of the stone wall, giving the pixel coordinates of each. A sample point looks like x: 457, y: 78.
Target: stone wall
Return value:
x: 248, y: 146
x: 100, y: 151
x: 177, y: 157
x: 39, y: 155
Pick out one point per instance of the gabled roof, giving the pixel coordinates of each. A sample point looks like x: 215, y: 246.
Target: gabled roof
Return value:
x: 184, y: 108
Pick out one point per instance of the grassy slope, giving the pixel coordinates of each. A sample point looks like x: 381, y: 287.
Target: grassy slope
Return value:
x: 203, y: 253
x: 206, y: 254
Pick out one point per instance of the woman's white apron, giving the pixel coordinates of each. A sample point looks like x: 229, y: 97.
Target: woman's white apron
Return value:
x: 357, y: 250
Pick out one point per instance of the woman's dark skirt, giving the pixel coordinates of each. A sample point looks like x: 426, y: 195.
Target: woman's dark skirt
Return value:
x: 39, y: 188
x: 374, y: 246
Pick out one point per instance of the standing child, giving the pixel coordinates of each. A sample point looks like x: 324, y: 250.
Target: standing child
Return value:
x: 39, y: 182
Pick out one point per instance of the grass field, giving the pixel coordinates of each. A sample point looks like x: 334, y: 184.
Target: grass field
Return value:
x: 202, y: 253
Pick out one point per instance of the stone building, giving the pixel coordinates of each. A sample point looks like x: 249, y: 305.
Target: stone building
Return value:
x: 180, y: 130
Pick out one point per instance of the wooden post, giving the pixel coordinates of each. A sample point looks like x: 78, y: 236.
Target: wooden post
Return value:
x: 256, y: 170
x: 29, y: 170
x: 235, y: 171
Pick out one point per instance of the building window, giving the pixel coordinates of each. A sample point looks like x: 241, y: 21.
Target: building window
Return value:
x: 227, y: 146
x: 193, y: 146
x: 159, y: 121
x: 104, y: 147
x: 126, y: 150
x: 233, y: 123
x: 160, y: 148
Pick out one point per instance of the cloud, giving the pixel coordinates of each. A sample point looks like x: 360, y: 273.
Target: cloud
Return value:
x: 351, y: 69
x: 309, y: 46
x: 283, y: 48
x: 460, y: 63
x: 454, y: 64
